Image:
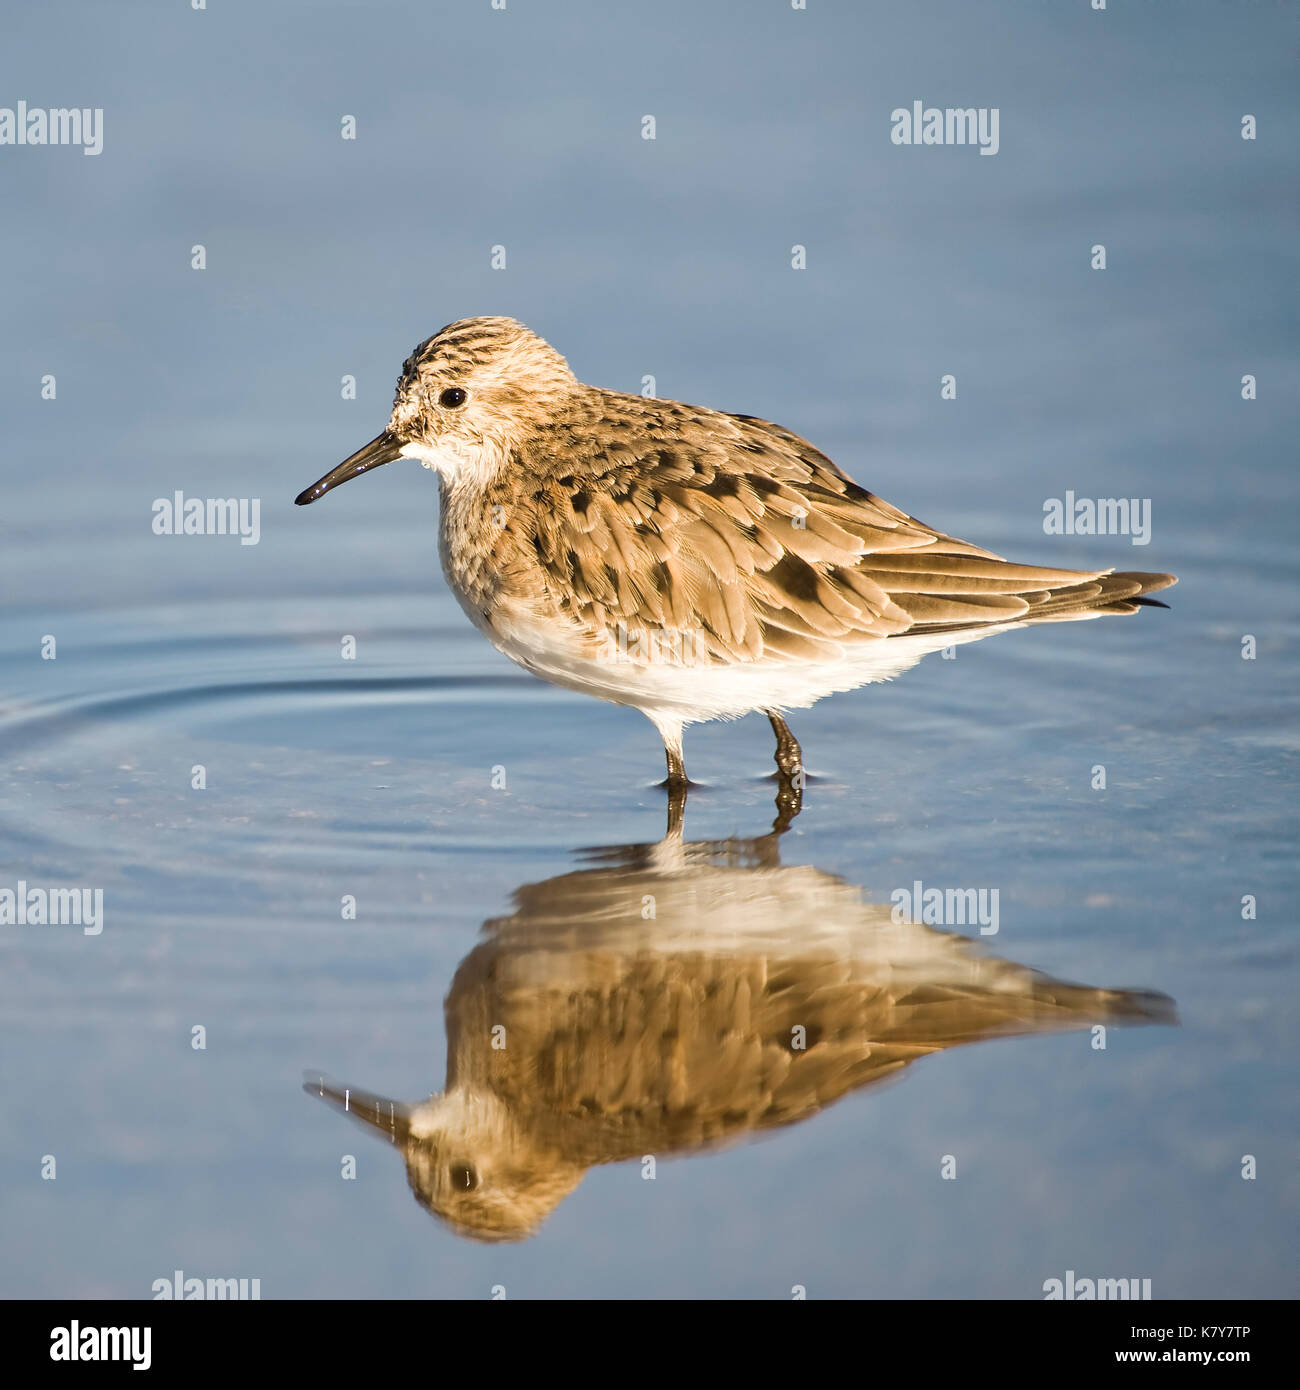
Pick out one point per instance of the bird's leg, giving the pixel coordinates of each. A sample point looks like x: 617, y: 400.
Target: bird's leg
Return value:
x: 676, y: 810
x: 676, y: 766
x: 789, y: 802
x: 676, y: 783
x: 789, y: 756
x: 790, y: 775
x: 670, y: 730
x: 671, y: 733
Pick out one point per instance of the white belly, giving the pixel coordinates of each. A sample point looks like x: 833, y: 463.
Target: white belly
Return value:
x: 678, y: 694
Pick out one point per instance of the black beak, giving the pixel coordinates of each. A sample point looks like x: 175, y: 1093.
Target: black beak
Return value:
x: 382, y: 449
x: 390, y: 1117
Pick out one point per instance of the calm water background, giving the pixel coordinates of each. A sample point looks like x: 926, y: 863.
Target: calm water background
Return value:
x: 372, y: 777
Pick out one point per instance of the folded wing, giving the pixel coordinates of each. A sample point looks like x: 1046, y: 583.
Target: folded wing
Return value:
x: 740, y: 532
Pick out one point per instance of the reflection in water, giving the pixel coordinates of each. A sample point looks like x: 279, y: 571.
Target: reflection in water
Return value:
x: 675, y: 996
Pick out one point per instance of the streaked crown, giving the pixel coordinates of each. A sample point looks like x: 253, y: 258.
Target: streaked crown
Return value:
x: 499, y: 365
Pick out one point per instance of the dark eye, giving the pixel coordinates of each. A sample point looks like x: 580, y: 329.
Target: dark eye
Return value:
x: 463, y: 1177
x: 452, y: 397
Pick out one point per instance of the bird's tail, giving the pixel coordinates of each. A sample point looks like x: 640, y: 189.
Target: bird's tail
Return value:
x: 1040, y: 596
x: 1123, y: 591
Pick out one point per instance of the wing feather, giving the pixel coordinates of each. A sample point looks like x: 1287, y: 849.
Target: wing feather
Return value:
x: 737, y: 530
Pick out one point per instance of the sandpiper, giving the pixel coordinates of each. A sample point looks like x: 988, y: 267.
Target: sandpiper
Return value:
x: 759, y: 995
x: 693, y: 564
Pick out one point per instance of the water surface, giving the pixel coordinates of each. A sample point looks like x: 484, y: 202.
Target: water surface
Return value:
x: 464, y: 808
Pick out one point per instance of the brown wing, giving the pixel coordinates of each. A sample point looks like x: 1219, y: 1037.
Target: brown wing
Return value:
x: 677, y: 517
x: 616, y: 1043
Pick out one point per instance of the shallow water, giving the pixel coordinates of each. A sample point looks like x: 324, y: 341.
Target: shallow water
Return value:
x: 467, y: 808
x: 374, y: 778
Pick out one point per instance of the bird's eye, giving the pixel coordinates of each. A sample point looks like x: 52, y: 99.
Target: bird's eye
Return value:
x: 463, y: 1177
x: 452, y: 397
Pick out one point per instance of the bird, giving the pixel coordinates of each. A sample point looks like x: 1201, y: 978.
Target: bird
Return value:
x: 675, y: 998
x: 689, y: 563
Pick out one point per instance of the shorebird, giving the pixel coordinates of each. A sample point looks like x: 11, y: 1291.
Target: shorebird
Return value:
x: 692, y: 564
x: 579, y: 1033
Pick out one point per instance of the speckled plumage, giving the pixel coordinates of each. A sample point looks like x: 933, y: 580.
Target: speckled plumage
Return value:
x: 691, y: 563
x: 579, y: 1033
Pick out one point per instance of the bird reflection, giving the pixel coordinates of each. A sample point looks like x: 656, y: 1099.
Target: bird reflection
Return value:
x: 669, y: 998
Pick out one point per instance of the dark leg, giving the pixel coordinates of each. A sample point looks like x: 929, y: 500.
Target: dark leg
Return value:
x: 789, y: 802
x: 676, y: 766
x: 676, y: 783
x: 676, y: 809
x: 789, y: 756
x: 790, y: 776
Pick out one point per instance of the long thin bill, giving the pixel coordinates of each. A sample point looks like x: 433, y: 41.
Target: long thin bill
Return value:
x: 384, y: 448
x: 390, y: 1117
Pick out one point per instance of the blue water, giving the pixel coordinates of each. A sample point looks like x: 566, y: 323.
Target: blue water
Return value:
x: 379, y: 777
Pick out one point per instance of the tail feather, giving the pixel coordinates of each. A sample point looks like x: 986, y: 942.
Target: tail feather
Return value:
x: 1092, y: 596
x: 1117, y: 592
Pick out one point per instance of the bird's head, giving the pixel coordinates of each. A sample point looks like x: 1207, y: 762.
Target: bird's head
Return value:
x: 469, y: 1160
x: 465, y: 399
x: 472, y: 1167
